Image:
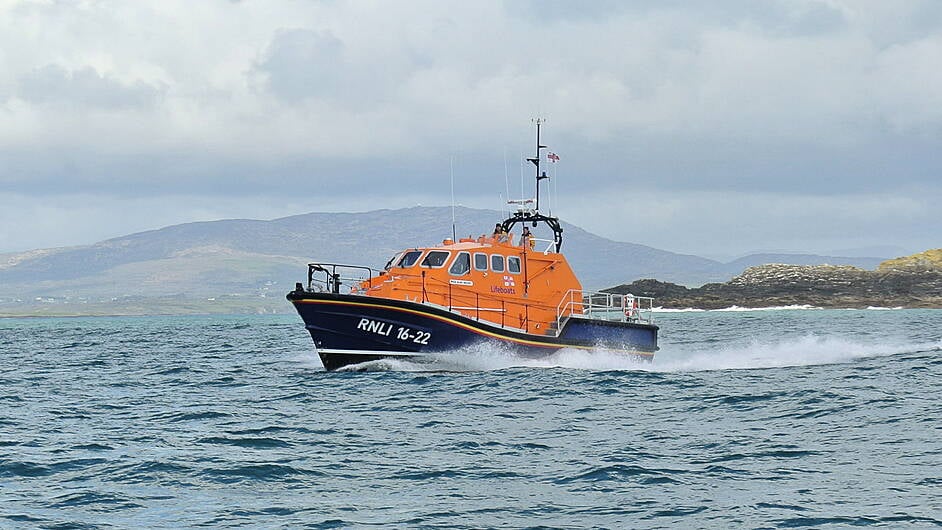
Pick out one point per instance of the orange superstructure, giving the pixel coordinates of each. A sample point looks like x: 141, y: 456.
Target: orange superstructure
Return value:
x: 511, y: 284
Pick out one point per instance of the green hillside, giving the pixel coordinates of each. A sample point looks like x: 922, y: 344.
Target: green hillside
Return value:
x: 930, y: 260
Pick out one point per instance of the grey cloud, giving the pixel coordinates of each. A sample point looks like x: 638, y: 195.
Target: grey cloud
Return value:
x: 777, y: 16
x: 63, y: 170
x: 541, y: 11
x: 302, y: 63
x: 732, y: 96
x: 817, y: 18
x: 85, y: 87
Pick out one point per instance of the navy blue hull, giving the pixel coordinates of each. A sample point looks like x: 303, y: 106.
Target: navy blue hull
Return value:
x: 349, y: 329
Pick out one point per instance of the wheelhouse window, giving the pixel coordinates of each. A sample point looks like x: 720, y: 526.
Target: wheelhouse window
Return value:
x: 480, y: 261
x: 513, y: 265
x: 461, y: 265
x: 409, y: 258
x: 497, y: 263
x: 435, y: 259
x: 392, y: 261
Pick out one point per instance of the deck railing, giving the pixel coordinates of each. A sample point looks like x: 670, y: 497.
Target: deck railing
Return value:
x: 604, y: 306
x: 537, y: 243
x: 331, y: 277
x: 337, y: 278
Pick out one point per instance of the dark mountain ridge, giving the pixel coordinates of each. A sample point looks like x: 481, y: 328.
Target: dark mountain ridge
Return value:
x: 257, y: 258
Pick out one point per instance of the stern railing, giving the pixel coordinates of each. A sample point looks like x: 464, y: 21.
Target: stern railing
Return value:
x: 597, y: 305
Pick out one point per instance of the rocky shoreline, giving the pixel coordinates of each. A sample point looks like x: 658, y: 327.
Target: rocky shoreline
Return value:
x: 916, y: 283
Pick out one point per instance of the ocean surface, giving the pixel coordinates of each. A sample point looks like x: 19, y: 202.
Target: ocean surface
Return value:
x: 745, y: 419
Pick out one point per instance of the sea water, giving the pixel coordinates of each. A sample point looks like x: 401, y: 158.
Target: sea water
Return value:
x: 745, y: 419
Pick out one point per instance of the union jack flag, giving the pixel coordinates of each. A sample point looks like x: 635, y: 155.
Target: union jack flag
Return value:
x: 553, y: 157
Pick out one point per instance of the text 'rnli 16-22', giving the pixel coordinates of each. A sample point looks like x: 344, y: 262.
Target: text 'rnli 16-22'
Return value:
x: 386, y: 329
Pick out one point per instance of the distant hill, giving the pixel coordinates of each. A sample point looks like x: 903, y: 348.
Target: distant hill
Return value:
x: 252, y: 263
x: 930, y: 260
x: 912, y: 282
x: 737, y: 266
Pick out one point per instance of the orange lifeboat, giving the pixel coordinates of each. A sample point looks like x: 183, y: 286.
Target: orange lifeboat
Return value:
x: 511, y: 290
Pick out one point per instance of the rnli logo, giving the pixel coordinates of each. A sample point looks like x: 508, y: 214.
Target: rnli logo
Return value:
x: 507, y: 288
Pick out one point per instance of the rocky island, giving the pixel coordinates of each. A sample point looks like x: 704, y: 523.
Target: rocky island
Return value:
x: 911, y: 282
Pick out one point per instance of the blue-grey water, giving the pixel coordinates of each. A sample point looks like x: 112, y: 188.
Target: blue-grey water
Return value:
x: 765, y: 419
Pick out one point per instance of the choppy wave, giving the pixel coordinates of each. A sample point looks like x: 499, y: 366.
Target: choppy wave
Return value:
x: 760, y: 420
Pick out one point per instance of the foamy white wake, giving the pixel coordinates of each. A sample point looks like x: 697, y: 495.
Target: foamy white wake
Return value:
x: 800, y: 351
x: 738, y: 309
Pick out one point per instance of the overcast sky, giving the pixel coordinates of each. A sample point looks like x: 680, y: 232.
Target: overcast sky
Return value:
x: 716, y: 129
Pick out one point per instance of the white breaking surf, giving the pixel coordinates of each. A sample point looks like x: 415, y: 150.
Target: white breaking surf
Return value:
x: 806, y: 350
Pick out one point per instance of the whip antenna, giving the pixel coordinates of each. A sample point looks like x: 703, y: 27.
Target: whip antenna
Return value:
x: 506, y: 184
x: 454, y: 227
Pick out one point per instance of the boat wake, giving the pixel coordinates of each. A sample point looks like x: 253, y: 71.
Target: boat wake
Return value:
x: 736, y: 309
x: 807, y: 350
x: 739, y: 309
x: 801, y: 351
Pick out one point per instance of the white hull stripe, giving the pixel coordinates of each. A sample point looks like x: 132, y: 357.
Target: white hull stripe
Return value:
x: 332, y: 351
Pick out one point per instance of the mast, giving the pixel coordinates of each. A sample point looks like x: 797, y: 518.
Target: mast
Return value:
x: 524, y: 214
x: 536, y: 161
